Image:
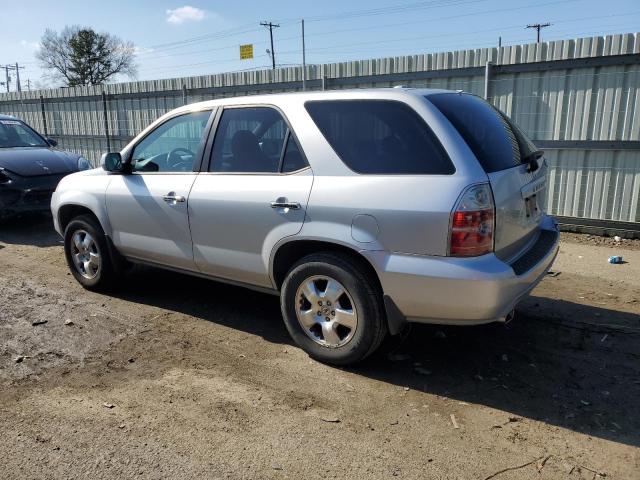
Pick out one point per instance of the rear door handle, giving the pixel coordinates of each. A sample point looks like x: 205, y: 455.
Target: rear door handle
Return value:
x: 284, y: 204
x: 172, y: 198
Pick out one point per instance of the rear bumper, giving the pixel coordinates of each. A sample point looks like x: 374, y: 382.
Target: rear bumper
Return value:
x: 448, y: 290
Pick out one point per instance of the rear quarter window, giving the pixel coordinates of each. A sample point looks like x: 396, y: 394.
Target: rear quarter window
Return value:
x: 380, y: 137
x: 495, y: 140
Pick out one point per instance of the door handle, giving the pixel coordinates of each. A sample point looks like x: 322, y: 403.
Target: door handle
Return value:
x: 283, y: 203
x: 172, y: 198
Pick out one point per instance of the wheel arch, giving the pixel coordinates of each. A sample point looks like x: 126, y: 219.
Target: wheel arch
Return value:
x: 288, y: 253
x: 66, y: 213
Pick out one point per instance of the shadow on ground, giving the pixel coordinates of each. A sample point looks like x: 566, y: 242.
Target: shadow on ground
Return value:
x: 559, y: 362
x: 29, y: 229
x: 551, y: 367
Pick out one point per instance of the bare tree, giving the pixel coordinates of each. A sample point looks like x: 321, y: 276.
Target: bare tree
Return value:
x: 80, y: 56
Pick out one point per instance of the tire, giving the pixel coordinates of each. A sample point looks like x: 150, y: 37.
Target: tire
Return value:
x: 99, y: 275
x: 331, y: 334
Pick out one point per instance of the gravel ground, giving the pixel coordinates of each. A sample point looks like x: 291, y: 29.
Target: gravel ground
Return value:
x: 178, y: 377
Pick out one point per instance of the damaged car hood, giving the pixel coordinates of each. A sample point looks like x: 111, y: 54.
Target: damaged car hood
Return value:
x: 29, y: 161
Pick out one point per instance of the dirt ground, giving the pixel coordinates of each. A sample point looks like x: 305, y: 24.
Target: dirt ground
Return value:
x: 178, y: 377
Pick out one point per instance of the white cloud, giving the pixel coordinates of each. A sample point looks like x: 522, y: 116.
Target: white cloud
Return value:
x: 141, y: 50
x: 31, y: 45
x: 183, y: 14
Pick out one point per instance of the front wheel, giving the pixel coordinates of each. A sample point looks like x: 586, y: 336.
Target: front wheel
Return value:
x: 332, y: 309
x: 87, y: 253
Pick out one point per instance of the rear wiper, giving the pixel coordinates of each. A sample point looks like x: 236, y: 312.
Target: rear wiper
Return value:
x: 532, y: 160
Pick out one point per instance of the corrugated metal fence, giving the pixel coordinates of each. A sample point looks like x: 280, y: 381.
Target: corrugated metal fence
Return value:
x: 579, y: 99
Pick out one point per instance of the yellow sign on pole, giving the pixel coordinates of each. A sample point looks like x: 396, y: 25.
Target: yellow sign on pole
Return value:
x: 246, y: 51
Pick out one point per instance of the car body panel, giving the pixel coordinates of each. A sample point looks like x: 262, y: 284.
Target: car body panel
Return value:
x: 457, y: 291
x: 412, y: 212
x: 82, y: 189
x: 518, y: 196
x: 30, y: 162
x: 26, y: 194
x: 143, y: 225
x: 233, y: 226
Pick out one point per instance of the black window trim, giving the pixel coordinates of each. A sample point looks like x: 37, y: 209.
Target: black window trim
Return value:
x: 206, y: 163
x: 283, y: 151
x: 197, y: 163
x: 389, y: 100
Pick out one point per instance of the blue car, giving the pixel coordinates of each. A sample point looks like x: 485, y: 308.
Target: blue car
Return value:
x: 30, y: 168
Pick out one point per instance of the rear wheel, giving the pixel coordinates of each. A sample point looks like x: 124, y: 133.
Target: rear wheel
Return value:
x: 87, y: 253
x: 332, y: 310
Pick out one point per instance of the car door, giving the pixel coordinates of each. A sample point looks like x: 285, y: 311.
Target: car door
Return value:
x: 254, y: 193
x: 148, y: 209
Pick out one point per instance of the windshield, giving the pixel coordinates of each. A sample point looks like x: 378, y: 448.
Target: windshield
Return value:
x: 14, y: 133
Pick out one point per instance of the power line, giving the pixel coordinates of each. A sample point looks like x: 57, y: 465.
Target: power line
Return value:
x: 327, y: 49
x: 391, y: 10
x: 378, y: 26
x: 330, y: 49
x: 538, y: 27
x: 272, y: 52
x: 188, y: 65
x: 232, y: 32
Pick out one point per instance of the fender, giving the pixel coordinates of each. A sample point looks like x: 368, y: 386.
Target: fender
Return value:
x: 84, y: 189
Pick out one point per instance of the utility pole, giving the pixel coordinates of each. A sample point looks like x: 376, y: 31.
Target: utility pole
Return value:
x: 17, y: 68
x: 29, y: 84
x: 304, y: 62
x: 271, y: 26
x: 538, y: 27
x: 18, y: 77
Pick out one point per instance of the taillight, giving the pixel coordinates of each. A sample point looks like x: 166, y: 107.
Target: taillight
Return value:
x: 472, y: 223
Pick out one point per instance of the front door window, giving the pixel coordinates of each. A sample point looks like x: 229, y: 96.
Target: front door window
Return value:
x: 173, y: 146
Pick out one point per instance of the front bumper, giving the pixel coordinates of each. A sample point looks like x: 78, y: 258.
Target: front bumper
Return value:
x: 460, y: 291
x: 27, y: 194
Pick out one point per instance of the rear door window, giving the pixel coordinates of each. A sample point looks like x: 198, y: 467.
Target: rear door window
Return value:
x: 255, y: 140
x: 380, y: 137
x: 495, y: 140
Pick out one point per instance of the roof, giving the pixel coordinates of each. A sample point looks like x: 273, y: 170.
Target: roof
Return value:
x: 7, y: 117
x: 354, y: 93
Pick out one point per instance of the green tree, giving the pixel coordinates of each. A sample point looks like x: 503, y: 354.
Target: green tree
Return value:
x: 80, y: 56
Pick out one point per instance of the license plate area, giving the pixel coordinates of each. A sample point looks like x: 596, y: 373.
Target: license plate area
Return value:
x: 531, y: 207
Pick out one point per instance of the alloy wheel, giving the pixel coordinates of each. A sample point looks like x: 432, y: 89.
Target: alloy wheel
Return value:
x: 326, y: 311
x: 85, y: 254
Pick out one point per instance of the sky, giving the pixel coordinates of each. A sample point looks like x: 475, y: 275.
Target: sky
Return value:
x: 175, y: 38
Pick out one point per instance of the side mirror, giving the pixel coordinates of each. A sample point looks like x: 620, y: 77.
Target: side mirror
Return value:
x: 111, y: 162
x: 51, y: 142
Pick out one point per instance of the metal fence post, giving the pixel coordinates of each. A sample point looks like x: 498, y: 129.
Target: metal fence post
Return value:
x: 324, y: 78
x: 184, y: 94
x: 487, y: 79
x: 44, y: 117
x: 106, y: 120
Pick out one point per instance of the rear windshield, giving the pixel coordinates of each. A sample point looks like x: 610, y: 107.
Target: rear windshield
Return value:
x: 380, y: 137
x: 495, y: 140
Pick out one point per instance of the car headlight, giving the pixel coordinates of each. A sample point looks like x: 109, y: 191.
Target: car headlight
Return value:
x: 83, y: 164
x: 4, y: 178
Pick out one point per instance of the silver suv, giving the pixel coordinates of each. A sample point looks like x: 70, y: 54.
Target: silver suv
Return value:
x: 363, y: 210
